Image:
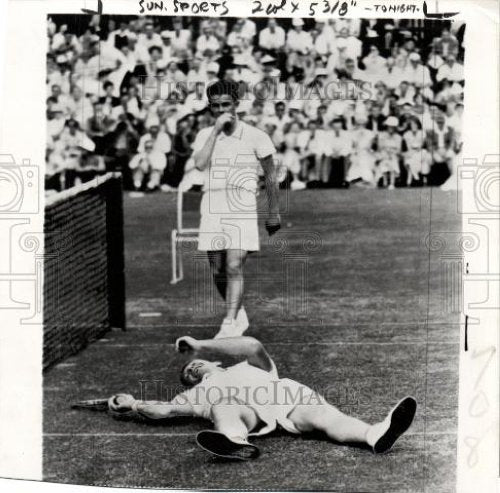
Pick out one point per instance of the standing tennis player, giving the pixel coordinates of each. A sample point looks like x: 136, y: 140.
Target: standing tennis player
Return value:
x: 231, y: 153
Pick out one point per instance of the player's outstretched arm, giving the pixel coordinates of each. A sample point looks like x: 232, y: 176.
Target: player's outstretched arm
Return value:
x: 243, y: 348
x: 126, y: 406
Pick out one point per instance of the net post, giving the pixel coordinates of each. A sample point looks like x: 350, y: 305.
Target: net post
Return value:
x: 116, y: 256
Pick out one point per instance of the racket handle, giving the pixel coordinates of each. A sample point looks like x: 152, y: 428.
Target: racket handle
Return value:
x: 96, y: 404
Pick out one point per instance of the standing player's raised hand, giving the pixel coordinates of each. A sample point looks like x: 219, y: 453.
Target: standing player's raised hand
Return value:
x: 223, y: 120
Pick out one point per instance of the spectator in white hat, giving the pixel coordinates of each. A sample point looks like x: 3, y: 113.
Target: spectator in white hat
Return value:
x: 138, y: 51
x: 339, y: 143
x: 60, y: 74
x: 161, y: 140
x: 119, y: 37
x: 393, y: 74
x: 405, y: 92
x: 197, y: 100
x: 149, y: 37
x: 313, y: 145
x: 212, y: 72
x: 374, y: 64
x: 336, y: 61
x: 196, y: 73
x: 352, y: 72
x: 288, y: 160
x: 249, y: 29
x: 375, y: 118
x: 434, y: 61
x: 166, y: 47
x: 56, y: 120
x: 173, y: 73
x: 79, y: 106
x: 242, y: 34
x: 240, y: 71
x: 416, y: 73
x: 416, y: 158
x: 180, y: 40
x: 361, y: 171
x: 324, y: 39
x: 353, y: 45
x: 60, y: 95
x: 207, y: 42
x: 148, y: 164
x: 298, y: 43
x: 448, y: 92
x: 280, y: 118
x: 447, y: 44
x: 451, y: 70
x: 440, y: 140
x: 390, y: 147
x: 58, y: 37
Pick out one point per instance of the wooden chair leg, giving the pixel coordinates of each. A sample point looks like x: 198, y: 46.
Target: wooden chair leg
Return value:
x: 173, y: 242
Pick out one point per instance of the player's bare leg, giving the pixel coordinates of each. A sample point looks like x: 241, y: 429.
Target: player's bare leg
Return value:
x: 325, y: 169
x: 227, y: 270
x: 235, y: 261
x: 409, y: 175
x: 217, y: 260
x: 229, y: 439
x: 392, y: 180
x: 328, y: 419
x: 347, y: 429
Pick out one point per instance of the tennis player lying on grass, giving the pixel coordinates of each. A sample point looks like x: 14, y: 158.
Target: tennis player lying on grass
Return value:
x: 249, y: 398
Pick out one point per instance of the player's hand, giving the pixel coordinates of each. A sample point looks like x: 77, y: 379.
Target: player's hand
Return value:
x: 273, y: 223
x: 120, y: 405
x: 222, y: 121
x: 187, y: 344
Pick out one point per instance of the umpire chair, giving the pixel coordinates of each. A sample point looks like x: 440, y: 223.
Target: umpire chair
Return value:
x: 188, y: 211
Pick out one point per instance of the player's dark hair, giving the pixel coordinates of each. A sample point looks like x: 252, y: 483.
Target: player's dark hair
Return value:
x: 183, y: 379
x: 224, y: 87
x: 155, y: 48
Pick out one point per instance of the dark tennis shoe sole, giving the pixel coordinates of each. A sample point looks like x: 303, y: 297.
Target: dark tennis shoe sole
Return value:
x: 401, y: 419
x: 220, y: 445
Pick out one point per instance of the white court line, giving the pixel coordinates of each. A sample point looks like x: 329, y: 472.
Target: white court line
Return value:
x: 337, y: 343
x: 417, y: 433
x: 293, y: 325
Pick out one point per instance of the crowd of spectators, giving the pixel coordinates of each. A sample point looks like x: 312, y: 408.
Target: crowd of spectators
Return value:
x: 346, y: 102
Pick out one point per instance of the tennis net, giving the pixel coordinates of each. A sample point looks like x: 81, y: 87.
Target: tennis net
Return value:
x: 84, y: 285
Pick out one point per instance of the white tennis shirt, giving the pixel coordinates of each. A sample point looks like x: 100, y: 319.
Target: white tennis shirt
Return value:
x: 235, y: 158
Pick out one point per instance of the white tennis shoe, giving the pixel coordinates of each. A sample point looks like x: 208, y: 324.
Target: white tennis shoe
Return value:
x: 228, y: 328
x: 234, y: 327
x: 242, y: 319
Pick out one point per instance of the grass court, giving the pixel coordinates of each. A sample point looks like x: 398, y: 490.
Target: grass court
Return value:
x: 348, y: 298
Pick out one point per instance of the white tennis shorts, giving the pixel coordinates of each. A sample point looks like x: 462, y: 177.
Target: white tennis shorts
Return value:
x: 229, y: 220
x: 287, y: 395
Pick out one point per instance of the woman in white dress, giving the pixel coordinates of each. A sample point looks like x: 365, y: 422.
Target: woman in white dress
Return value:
x: 416, y: 158
x: 362, y: 156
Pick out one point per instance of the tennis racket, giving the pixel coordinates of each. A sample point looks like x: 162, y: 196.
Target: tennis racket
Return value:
x: 94, y: 404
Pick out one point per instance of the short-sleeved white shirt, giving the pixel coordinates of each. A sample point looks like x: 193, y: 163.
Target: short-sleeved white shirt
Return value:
x: 239, y: 384
x: 235, y: 158
x: 272, y: 398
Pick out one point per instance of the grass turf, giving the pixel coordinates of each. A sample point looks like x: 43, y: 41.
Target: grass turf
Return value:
x: 347, y: 298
